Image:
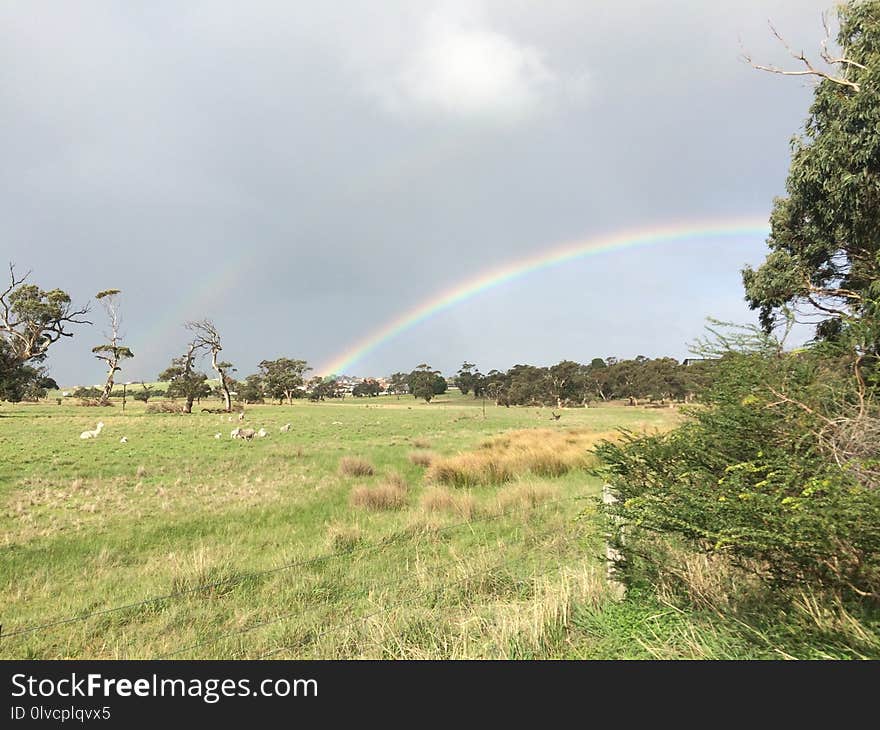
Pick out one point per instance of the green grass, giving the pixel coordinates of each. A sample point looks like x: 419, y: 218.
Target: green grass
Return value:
x: 183, y: 545
x: 93, y: 525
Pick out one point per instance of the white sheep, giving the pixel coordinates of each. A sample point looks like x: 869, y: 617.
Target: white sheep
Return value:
x: 234, y: 433
x: 123, y: 440
x: 285, y: 428
x: 262, y: 433
x: 218, y: 435
x: 241, y: 416
x: 92, y: 434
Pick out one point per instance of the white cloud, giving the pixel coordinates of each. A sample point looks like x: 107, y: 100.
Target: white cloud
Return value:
x: 467, y: 70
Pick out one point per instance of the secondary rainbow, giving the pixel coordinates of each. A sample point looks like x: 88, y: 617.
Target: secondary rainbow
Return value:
x: 544, y: 259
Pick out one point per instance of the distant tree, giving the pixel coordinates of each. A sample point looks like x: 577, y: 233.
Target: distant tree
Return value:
x: 87, y: 393
x: 25, y: 382
x: 497, y: 385
x: 252, y: 390
x: 422, y: 382
x: 321, y: 388
x: 398, y: 384
x: 112, y: 352
x: 283, y: 378
x: 31, y: 320
x: 206, y: 337
x: 564, y: 379
x: 39, y: 385
x: 465, y: 377
x: 368, y: 387
x: 439, y: 385
x: 146, y: 392
x: 529, y: 385
x: 184, y: 381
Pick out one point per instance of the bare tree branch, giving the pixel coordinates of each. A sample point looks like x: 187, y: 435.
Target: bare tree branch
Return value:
x: 809, y: 69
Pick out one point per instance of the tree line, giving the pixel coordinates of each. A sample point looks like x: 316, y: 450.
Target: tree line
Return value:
x: 570, y: 383
x: 33, y: 319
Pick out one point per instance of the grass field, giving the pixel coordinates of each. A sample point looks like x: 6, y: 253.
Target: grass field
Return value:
x: 269, y: 547
x: 375, y: 528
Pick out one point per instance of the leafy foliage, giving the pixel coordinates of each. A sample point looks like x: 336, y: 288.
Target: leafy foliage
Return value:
x: 184, y: 381
x: 824, y: 242
x: 425, y: 382
x: 283, y: 378
x: 754, y: 476
x: 31, y: 320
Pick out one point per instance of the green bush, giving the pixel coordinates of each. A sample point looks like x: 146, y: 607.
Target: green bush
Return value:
x: 757, y: 474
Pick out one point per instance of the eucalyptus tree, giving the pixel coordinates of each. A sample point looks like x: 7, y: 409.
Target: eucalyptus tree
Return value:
x: 112, y: 352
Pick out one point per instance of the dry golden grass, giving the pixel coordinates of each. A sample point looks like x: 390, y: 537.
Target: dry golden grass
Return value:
x: 388, y: 495
x: 508, y: 627
x: 422, y: 457
x: 441, y: 499
x: 353, y: 466
x: 543, y: 452
x: 421, y: 443
x: 708, y: 581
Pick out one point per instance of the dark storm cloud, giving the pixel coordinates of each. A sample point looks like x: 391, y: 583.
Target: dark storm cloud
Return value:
x: 301, y: 175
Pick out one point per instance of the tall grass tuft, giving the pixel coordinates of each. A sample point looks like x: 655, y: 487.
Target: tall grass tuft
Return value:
x: 353, y: 466
x: 422, y: 457
x: 343, y: 538
x: 390, y: 494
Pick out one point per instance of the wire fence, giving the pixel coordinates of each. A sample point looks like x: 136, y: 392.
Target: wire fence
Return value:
x: 241, y: 577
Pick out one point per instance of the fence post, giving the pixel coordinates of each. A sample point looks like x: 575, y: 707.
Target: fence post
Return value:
x: 613, y: 555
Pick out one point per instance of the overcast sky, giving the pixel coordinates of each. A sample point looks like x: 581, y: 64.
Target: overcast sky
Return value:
x: 302, y: 172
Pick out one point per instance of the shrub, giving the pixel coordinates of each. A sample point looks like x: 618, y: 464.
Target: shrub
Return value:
x: 753, y: 475
x: 87, y: 393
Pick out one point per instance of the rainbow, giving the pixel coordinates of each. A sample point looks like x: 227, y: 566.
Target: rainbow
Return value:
x: 545, y: 259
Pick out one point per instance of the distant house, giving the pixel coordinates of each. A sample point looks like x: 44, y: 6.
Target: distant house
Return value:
x: 693, y: 360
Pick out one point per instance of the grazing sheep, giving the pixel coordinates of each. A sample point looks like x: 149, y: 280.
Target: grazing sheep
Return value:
x: 92, y: 434
x: 285, y: 428
x: 246, y: 433
x: 123, y: 440
x: 262, y: 433
x: 241, y: 416
x: 218, y: 435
